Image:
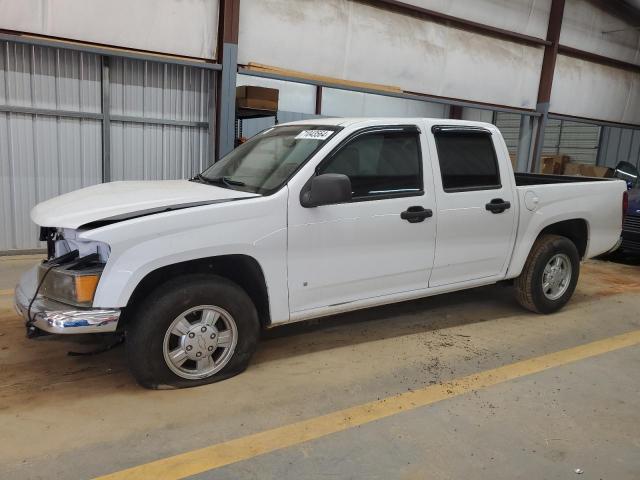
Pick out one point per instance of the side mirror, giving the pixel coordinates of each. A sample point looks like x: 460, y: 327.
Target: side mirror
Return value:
x: 627, y: 172
x: 326, y: 189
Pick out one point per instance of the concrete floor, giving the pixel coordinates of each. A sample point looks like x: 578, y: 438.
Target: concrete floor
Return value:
x: 80, y: 417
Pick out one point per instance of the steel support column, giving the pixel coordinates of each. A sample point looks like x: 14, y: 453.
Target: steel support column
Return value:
x: 228, y: 53
x: 106, y: 121
x: 455, y: 112
x: 546, y: 77
x: 318, y: 108
x: 524, y: 143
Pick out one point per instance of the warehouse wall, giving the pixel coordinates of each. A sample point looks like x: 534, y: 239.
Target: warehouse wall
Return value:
x: 525, y: 16
x: 293, y: 97
x: 586, y: 89
x: 591, y: 90
x: 355, y: 41
x: 51, y: 127
x: 578, y: 140
x: 158, y: 92
x: 42, y: 156
x: 586, y: 26
x: 177, y: 27
x: 619, y: 145
x: 343, y: 103
x: 297, y: 101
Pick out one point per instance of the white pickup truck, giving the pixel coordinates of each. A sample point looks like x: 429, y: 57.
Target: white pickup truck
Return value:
x: 304, y: 220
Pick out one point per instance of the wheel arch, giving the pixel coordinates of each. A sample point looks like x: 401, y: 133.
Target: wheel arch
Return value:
x: 244, y: 270
x: 576, y: 230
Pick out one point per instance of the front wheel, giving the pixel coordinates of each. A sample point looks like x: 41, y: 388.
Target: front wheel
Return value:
x: 549, y: 276
x: 190, y: 331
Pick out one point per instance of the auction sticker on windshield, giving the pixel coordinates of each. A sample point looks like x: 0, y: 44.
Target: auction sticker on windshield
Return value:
x: 314, y: 135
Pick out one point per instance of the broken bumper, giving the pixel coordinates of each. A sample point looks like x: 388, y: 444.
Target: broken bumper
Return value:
x: 55, y: 317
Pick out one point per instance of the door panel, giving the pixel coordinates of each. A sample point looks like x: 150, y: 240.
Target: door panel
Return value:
x: 352, y: 251
x: 362, y: 249
x: 475, y: 239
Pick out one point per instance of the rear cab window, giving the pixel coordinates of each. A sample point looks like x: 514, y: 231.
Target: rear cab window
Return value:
x: 467, y: 159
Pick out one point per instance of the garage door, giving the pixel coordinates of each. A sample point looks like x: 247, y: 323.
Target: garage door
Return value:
x: 51, y: 127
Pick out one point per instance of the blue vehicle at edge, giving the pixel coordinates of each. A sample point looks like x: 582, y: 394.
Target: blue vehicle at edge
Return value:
x: 631, y: 225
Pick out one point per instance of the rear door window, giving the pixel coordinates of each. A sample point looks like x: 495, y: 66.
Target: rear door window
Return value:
x: 467, y: 160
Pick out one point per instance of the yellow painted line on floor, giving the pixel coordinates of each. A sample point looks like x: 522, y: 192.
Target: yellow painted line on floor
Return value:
x: 244, y: 448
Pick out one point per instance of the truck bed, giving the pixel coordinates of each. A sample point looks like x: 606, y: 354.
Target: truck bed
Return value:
x: 528, y: 179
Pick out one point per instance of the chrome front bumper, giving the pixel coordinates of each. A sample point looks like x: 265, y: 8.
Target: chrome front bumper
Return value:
x: 55, y: 317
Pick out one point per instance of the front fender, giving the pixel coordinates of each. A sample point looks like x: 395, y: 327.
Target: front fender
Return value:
x: 254, y: 227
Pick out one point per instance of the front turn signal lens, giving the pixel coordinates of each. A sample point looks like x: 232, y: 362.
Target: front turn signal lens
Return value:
x: 86, y: 287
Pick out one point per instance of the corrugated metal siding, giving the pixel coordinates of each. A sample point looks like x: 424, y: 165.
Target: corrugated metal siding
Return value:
x: 161, y: 91
x: 49, y: 78
x: 42, y: 156
x: 580, y: 141
x: 577, y: 140
x: 156, y: 91
x: 157, y: 152
x: 509, y: 126
x: 551, y: 137
x: 619, y: 144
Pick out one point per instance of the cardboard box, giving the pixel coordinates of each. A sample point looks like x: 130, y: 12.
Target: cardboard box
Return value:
x: 259, y: 98
x: 554, y: 164
x: 595, y: 171
x: 584, y: 170
x: 572, y: 169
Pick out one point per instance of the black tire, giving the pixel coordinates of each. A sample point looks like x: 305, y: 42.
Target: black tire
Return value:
x: 152, y: 318
x: 528, y: 286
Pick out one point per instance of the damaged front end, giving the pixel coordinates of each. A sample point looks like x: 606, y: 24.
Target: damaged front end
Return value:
x: 56, y: 296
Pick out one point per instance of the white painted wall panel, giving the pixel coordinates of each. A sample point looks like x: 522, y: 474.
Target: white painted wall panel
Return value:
x: 343, y: 103
x: 293, y: 97
x: 584, y: 26
x: 252, y: 126
x: 529, y: 17
x: 354, y: 41
x: 590, y: 90
x: 477, y: 115
x: 180, y: 27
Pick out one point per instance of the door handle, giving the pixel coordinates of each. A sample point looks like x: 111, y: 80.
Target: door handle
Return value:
x: 416, y: 214
x: 498, y: 205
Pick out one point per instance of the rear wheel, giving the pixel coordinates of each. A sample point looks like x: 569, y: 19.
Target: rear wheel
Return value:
x: 549, y: 276
x: 190, y: 331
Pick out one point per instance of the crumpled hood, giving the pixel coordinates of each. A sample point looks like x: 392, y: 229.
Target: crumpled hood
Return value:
x: 115, y: 199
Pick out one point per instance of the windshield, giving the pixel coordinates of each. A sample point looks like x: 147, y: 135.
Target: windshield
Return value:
x: 265, y: 162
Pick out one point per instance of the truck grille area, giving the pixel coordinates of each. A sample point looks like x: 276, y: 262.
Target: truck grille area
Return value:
x: 631, y: 223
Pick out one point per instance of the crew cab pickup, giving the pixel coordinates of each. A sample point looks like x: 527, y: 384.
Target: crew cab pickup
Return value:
x: 304, y: 220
